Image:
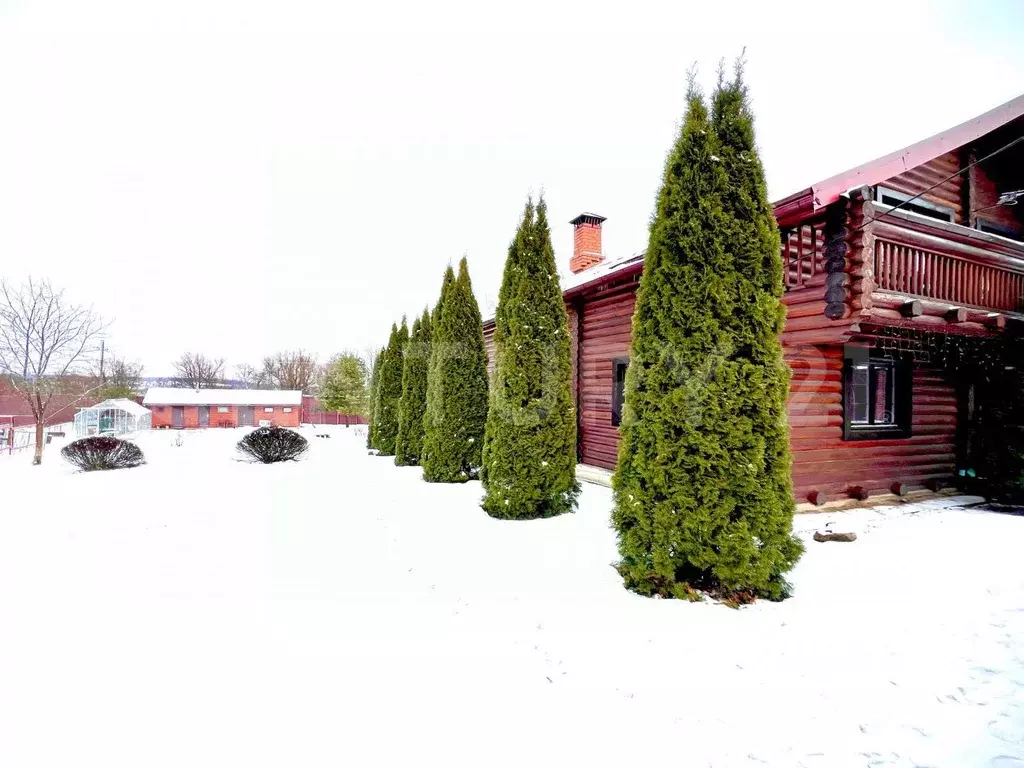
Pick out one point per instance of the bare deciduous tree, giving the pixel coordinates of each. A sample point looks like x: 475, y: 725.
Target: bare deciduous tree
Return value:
x: 45, y: 342
x: 117, y: 376
x: 250, y: 377
x: 196, y: 370
x: 292, y: 370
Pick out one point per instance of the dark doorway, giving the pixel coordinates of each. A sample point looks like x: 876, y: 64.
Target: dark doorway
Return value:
x: 204, y: 415
x: 177, y: 416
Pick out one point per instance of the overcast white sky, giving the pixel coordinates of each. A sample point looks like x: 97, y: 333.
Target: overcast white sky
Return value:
x: 241, y: 177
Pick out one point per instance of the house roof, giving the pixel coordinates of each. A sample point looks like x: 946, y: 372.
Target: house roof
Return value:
x: 180, y: 396
x: 121, y: 404
x: 817, y: 196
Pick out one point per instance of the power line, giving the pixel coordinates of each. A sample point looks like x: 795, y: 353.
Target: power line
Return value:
x: 989, y: 156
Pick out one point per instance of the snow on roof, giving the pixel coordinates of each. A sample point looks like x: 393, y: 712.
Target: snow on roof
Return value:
x: 182, y: 396
x: 604, y: 269
x: 121, y: 404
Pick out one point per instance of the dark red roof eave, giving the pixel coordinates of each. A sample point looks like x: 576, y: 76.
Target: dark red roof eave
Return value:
x: 807, y: 202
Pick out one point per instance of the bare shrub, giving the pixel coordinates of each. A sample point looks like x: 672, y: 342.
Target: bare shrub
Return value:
x: 272, y: 444
x: 98, y: 453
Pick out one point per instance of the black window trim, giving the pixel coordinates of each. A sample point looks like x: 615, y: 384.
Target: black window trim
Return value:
x: 616, y: 362
x: 990, y: 227
x: 902, y: 368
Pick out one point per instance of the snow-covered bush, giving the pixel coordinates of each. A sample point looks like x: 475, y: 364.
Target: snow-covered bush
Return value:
x: 272, y: 444
x: 95, y: 453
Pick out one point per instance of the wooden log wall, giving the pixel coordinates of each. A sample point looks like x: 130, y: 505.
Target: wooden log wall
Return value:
x: 824, y: 462
x: 606, y: 332
x: 918, y: 179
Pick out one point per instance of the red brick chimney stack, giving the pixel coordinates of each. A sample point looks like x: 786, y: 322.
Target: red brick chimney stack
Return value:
x: 586, y: 242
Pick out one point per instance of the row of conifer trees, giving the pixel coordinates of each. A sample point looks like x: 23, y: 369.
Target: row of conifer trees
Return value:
x: 431, y: 404
x: 702, y: 492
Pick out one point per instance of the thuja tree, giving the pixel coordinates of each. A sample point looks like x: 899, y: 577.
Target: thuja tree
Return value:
x: 456, y: 386
x: 389, y: 392
x: 409, y: 444
x: 702, y: 490
x: 374, y: 379
x: 530, y: 445
x: 434, y: 384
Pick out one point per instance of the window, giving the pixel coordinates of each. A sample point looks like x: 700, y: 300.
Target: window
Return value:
x: 268, y: 410
x: 223, y: 409
x: 913, y: 204
x: 1002, y: 230
x: 287, y: 410
x: 876, y: 396
x: 618, y: 389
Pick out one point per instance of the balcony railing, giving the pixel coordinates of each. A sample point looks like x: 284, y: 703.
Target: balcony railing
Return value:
x: 955, y: 279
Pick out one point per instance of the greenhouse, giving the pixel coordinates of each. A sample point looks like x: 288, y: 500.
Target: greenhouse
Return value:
x: 112, y: 417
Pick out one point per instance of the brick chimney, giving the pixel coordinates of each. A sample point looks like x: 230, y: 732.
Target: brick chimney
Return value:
x: 586, y: 242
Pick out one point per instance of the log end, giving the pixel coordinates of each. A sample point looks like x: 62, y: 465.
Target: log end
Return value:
x: 817, y: 498
x: 912, y: 308
x: 857, y: 492
x: 837, y: 310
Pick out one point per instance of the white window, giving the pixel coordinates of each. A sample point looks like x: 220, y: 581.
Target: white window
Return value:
x: 222, y: 409
x: 287, y: 410
x: 268, y: 410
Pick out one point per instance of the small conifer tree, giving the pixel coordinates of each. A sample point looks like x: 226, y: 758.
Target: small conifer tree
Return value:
x: 389, y: 392
x: 456, y: 387
x: 530, y: 445
x: 374, y: 378
x: 702, y: 490
x: 409, y: 445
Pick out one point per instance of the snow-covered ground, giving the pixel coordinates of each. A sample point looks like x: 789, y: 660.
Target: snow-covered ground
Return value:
x: 199, y: 611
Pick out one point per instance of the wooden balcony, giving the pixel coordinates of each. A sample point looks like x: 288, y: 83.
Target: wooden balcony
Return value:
x: 954, y: 279
x: 901, y: 269
x: 954, y: 276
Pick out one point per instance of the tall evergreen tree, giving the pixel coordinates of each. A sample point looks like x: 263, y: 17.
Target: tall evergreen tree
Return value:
x: 374, y: 379
x: 389, y: 392
x: 409, y: 445
x: 446, y: 283
x: 702, y: 494
x: 456, y: 387
x: 433, y: 376
x: 530, y: 445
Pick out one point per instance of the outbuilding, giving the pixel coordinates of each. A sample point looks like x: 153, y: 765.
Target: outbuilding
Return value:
x: 118, y: 416
x: 180, y: 408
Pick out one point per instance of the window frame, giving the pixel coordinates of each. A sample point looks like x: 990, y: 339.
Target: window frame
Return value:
x: 902, y: 372
x: 223, y: 409
x: 268, y: 409
x: 990, y: 227
x: 286, y: 410
x: 911, y: 202
x: 618, y: 394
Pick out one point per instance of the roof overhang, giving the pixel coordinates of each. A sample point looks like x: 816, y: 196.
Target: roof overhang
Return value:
x: 810, y: 201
